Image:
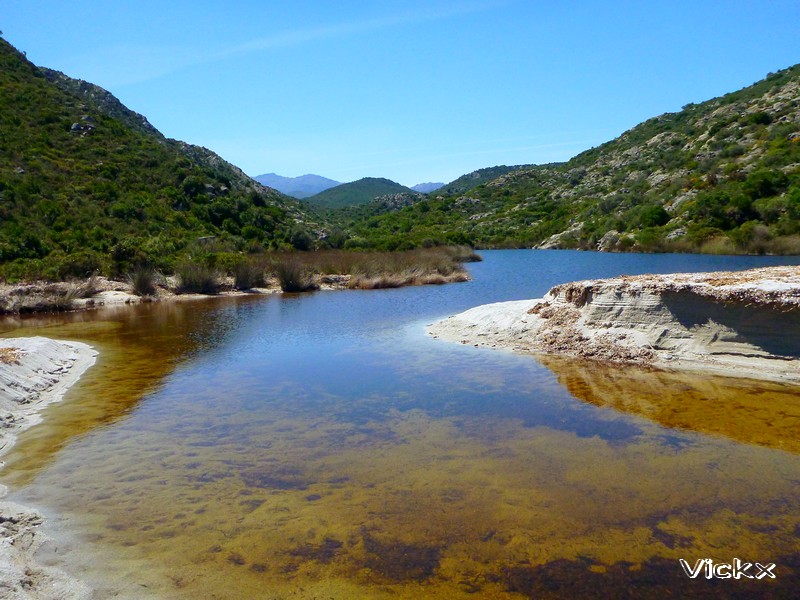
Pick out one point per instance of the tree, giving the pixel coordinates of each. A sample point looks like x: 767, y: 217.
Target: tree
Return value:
x: 300, y: 239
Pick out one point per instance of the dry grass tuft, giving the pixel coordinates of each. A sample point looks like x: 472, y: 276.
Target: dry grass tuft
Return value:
x: 785, y: 245
x: 294, y: 277
x: 144, y: 280
x: 248, y: 274
x: 194, y: 278
x: 372, y: 270
x: 718, y: 245
x: 9, y: 356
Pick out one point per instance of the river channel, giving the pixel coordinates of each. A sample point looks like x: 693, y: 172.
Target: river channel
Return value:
x: 323, y: 446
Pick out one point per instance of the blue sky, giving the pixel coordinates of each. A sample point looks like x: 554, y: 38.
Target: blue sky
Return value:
x: 410, y: 90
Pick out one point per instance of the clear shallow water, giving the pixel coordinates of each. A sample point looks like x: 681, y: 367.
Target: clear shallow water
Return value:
x: 323, y: 446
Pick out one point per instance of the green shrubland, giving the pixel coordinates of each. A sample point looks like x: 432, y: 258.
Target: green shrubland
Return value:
x: 720, y: 176
x: 82, y: 191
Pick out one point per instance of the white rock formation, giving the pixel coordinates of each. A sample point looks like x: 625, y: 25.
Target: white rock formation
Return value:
x: 744, y: 324
x: 33, y: 373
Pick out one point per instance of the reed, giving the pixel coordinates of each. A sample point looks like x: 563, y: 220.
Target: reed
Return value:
x: 293, y: 276
x: 248, y: 274
x: 143, y: 281
x: 786, y: 245
x: 300, y: 271
x: 194, y: 278
x: 719, y: 245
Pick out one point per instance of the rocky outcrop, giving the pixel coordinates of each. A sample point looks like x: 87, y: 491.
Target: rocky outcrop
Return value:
x: 103, y: 99
x: 33, y: 373
x: 561, y: 240
x: 392, y: 202
x: 738, y: 323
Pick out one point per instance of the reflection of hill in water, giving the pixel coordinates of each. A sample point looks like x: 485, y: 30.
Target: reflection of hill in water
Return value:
x: 765, y: 414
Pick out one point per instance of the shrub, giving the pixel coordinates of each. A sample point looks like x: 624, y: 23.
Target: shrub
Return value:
x: 763, y: 183
x: 461, y: 254
x: 247, y: 275
x: 293, y: 277
x: 194, y: 278
x: 300, y: 239
x: 143, y: 281
x: 788, y: 245
x: 759, y: 118
x: 649, y: 240
x: 653, y: 216
x: 80, y: 264
x: 718, y: 245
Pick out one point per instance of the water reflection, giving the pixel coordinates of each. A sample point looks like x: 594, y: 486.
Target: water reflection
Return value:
x: 321, y: 446
x: 138, y: 347
x: 767, y: 414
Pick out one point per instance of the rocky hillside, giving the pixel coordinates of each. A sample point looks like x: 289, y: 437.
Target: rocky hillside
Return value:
x: 476, y: 178
x: 720, y: 176
x: 348, y: 219
x: 88, y: 185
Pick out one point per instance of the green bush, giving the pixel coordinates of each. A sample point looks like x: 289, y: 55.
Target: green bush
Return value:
x: 653, y: 216
x: 763, y: 183
x: 194, y: 278
x: 300, y: 239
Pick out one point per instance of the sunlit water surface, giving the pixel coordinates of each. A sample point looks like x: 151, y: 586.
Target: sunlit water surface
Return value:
x: 322, y: 446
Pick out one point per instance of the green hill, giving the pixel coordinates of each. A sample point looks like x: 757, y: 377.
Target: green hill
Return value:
x: 720, y: 176
x: 88, y: 185
x: 358, y: 192
x: 476, y: 178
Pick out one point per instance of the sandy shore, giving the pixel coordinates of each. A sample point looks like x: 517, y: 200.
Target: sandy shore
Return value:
x: 34, y: 372
x: 741, y: 324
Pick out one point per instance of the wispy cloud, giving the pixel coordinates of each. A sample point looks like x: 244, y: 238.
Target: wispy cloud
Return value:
x: 344, y: 29
x: 131, y: 64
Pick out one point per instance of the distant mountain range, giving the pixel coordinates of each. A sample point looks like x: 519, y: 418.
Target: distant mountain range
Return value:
x: 297, y: 187
x: 426, y: 188
x: 309, y: 185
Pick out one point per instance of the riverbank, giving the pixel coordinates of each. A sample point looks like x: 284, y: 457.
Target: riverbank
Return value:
x: 96, y: 292
x: 742, y: 324
x: 34, y: 372
x: 290, y: 273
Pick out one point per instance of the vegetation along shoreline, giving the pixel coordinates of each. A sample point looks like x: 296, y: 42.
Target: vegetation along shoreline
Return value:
x: 288, y: 272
